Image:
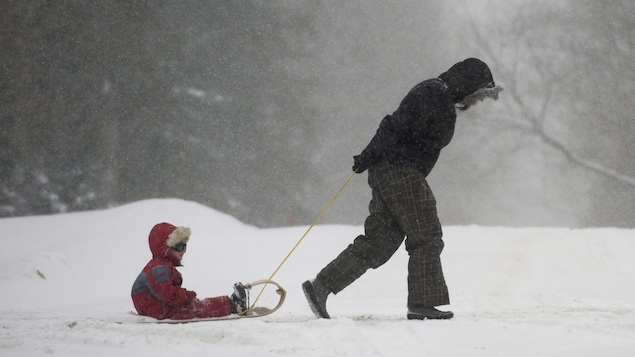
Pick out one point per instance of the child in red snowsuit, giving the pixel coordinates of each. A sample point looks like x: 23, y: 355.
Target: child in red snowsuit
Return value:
x: 157, y: 291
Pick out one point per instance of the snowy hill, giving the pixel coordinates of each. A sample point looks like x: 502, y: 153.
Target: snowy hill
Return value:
x: 515, y: 292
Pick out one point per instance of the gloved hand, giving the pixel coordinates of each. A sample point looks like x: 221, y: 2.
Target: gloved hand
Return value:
x: 183, y: 297
x: 360, y: 164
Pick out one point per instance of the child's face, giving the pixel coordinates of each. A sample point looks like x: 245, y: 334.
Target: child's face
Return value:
x: 175, y: 254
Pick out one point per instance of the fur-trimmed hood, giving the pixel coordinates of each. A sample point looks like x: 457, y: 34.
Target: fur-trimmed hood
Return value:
x: 467, y: 77
x: 165, y: 235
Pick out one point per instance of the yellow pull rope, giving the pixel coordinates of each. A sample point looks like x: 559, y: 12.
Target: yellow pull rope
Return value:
x: 317, y: 219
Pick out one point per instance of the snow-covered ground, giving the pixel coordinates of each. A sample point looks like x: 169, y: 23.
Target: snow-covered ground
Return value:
x: 65, y: 289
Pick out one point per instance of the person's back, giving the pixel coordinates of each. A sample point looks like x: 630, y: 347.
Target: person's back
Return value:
x: 420, y: 127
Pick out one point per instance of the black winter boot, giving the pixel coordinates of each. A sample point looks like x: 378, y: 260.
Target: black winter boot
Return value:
x: 316, y: 294
x: 428, y: 313
x: 239, y: 300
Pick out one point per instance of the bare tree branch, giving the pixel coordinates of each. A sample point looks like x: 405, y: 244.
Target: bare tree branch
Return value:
x: 536, y: 122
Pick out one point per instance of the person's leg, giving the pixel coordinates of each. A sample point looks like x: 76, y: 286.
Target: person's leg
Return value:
x: 408, y: 198
x: 209, y: 307
x: 418, y: 218
x: 426, y: 282
x: 382, y: 239
x: 214, y: 307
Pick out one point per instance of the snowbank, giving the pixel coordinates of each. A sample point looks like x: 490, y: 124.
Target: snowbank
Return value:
x: 515, y: 292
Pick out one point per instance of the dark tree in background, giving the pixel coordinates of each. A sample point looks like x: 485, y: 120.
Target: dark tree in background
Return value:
x: 256, y: 108
x: 110, y: 102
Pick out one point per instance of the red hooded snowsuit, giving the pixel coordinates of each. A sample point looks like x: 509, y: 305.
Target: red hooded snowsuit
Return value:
x: 157, y: 291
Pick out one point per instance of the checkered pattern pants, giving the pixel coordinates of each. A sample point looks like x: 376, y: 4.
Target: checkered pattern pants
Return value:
x: 402, y: 206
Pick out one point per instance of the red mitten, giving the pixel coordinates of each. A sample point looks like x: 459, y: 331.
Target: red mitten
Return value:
x: 183, y: 297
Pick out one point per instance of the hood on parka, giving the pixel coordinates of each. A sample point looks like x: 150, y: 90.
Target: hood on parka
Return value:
x: 467, y: 77
x: 163, y: 236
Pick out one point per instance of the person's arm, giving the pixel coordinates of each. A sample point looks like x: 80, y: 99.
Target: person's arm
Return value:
x: 385, y: 137
x: 164, y: 288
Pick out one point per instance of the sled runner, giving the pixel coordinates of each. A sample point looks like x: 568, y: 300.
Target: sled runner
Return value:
x: 257, y: 311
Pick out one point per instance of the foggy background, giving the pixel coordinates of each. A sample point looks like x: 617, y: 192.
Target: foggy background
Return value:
x: 256, y: 108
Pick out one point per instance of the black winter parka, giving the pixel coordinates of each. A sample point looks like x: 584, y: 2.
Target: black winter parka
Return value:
x: 424, y: 121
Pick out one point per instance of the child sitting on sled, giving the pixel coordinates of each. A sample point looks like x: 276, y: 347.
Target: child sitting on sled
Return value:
x: 157, y: 291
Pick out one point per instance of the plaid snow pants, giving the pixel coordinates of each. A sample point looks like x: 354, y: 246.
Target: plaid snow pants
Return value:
x: 402, y: 205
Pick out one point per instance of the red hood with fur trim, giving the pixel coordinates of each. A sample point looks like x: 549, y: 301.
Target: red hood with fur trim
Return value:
x: 158, y: 237
x: 165, y: 235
